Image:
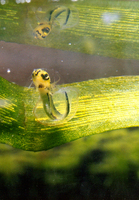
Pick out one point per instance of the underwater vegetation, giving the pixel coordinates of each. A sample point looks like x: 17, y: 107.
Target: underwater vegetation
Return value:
x: 102, y: 105
x: 104, y: 166
x: 97, y: 28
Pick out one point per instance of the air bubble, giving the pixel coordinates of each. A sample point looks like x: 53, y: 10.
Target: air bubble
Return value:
x: 8, y: 71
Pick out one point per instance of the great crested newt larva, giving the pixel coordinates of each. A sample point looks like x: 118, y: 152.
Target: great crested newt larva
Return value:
x: 42, y: 82
x: 44, y: 28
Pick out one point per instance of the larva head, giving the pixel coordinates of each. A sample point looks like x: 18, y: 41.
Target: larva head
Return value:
x: 41, y: 79
x: 42, y: 30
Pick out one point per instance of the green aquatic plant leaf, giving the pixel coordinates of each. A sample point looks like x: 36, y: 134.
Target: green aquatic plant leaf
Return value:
x: 104, y: 104
x: 106, y: 28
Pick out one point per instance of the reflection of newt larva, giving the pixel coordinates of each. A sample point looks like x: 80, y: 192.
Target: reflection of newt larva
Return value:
x: 42, y: 82
x: 44, y: 28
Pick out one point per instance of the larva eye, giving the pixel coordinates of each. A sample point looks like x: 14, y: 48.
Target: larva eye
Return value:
x: 45, y: 76
x: 60, y: 103
x: 36, y: 72
x: 46, y: 30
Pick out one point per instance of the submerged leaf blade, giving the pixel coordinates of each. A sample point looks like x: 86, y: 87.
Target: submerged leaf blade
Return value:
x: 104, y: 104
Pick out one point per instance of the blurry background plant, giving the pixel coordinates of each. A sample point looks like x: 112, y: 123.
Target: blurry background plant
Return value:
x: 104, y: 166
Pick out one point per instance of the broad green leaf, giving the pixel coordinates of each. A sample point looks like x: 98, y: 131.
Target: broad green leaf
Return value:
x: 104, y: 104
x: 107, y: 28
